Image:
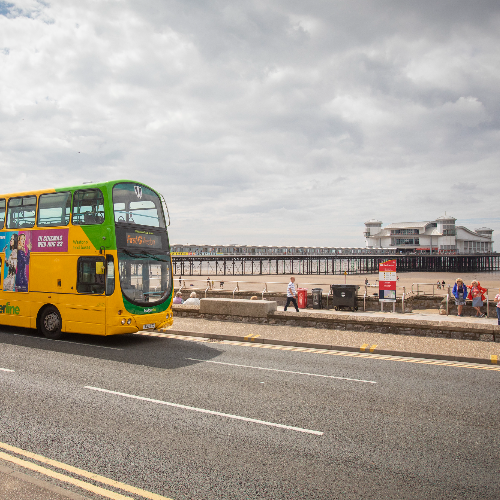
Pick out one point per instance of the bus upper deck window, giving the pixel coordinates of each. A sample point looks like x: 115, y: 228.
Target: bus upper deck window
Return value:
x: 137, y: 204
x: 54, y: 209
x: 2, y: 213
x: 88, y: 207
x: 21, y: 212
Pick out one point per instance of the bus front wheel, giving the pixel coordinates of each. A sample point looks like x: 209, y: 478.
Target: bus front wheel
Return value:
x: 51, y: 323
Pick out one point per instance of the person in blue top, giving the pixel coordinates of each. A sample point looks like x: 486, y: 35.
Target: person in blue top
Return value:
x: 460, y: 293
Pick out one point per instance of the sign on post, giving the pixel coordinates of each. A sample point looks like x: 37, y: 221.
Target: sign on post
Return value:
x: 387, y: 280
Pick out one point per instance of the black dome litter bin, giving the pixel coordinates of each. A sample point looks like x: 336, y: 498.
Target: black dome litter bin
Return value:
x: 345, y: 296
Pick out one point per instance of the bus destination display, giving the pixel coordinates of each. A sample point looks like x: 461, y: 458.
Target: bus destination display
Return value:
x: 143, y: 240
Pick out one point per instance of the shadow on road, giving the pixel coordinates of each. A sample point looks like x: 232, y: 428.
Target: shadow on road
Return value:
x: 155, y: 352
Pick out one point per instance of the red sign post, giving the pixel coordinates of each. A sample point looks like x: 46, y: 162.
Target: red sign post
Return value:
x: 387, y: 280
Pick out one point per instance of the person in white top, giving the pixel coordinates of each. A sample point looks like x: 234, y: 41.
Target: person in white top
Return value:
x: 291, y: 294
x: 193, y: 300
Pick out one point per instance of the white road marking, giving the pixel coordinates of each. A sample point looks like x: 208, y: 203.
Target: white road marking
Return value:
x: 285, y: 371
x: 210, y: 412
x: 66, y: 341
x: 5, y: 370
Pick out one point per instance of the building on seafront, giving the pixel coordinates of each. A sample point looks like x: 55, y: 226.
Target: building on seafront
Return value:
x: 439, y: 236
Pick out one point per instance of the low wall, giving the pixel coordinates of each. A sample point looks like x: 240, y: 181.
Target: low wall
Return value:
x: 371, y: 303
x: 397, y: 326
x: 240, y: 307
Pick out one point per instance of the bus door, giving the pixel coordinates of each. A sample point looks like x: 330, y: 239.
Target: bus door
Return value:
x: 87, y: 312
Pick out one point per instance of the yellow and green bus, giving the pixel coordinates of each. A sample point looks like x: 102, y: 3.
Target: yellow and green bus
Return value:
x: 89, y: 259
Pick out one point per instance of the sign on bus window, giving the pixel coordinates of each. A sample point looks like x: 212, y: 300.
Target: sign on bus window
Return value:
x: 99, y: 267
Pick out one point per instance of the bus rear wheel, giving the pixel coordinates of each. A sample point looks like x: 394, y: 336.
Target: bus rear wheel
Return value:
x: 51, y: 323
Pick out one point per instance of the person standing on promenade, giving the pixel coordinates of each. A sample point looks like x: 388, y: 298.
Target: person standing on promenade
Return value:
x: 291, y: 294
x: 476, y: 294
x: 460, y: 294
x: 497, y: 300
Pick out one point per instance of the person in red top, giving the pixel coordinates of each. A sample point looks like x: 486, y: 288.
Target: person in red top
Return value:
x: 476, y: 294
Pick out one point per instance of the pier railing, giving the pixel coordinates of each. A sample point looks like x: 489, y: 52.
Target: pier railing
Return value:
x: 247, y: 265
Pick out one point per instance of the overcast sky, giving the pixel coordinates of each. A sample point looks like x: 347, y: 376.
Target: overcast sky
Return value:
x: 261, y: 122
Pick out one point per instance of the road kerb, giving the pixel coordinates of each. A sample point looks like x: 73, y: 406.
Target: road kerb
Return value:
x: 309, y: 345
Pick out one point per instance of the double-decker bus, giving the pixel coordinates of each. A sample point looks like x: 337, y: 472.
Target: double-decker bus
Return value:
x: 89, y: 259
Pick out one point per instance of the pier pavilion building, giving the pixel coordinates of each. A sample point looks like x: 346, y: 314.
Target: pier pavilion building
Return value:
x: 439, y: 236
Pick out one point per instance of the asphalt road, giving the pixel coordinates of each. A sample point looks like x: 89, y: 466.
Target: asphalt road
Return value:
x: 192, y: 420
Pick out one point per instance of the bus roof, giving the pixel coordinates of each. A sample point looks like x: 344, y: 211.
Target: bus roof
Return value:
x: 89, y: 185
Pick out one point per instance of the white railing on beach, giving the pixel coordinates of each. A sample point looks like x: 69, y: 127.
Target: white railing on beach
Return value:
x: 416, y: 289
x: 211, y: 285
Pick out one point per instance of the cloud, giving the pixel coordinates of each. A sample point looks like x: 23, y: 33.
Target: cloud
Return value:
x: 270, y: 123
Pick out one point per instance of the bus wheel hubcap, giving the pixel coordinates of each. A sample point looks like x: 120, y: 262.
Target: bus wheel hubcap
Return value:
x: 51, y: 322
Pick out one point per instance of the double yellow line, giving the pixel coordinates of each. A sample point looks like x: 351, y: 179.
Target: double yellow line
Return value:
x: 251, y: 338
x: 74, y: 470
x: 364, y: 346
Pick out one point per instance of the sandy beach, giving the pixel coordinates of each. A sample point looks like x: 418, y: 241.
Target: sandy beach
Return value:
x: 278, y: 283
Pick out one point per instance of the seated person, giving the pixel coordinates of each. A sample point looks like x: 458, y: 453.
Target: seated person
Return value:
x: 178, y: 298
x: 193, y: 300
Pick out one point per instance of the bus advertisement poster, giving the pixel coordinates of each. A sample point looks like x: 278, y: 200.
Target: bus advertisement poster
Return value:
x: 50, y: 240
x: 18, y: 246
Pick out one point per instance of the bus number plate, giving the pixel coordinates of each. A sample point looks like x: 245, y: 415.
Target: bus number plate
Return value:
x: 148, y: 326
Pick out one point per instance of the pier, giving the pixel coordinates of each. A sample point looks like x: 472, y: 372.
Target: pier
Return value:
x: 248, y: 265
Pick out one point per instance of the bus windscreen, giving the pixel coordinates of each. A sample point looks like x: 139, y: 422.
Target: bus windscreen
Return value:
x: 145, y: 277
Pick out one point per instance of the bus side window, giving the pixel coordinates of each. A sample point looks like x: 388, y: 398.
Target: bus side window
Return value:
x: 88, y: 207
x: 54, y: 209
x: 21, y: 212
x: 110, y: 275
x: 90, y: 275
x: 2, y: 213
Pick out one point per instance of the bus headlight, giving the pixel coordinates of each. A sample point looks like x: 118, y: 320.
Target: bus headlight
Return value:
x: 129, y: 321
x: 123, y: 321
